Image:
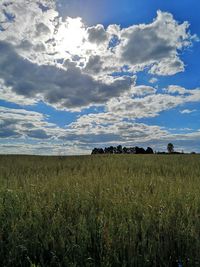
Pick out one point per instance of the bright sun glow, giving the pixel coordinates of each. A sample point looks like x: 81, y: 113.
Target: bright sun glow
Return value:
x: 72, y: 39
x: 71, y: 36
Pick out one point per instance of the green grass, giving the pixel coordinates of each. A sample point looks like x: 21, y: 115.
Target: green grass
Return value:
x: 119, y: 210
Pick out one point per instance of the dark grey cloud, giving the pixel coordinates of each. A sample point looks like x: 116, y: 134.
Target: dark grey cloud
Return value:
x: 38, y: 133
x: 66, y: 88
x: 144, y: 45
x: 94, y: 64
x: 97, y: 34
x: 41, y: 29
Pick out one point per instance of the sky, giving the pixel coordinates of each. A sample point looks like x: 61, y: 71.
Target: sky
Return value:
x: 77, y: 74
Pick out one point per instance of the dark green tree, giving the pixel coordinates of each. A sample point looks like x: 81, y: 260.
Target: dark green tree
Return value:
x: 119, y: 149
x: 149, y: 150
x: 125, y: 150
x: 170, y: 148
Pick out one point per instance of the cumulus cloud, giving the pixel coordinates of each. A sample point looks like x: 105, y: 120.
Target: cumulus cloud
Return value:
x: 7, y: 94
x: 172, y: 89
x: 64, y: 88
x: 88, y: 130
x: 69, y: 65
x: 30, y: 27
x: 142, y: 90
x: 157, y: 43
x: 80, y: 136
x: 151, y: 105
x: 168, y: 66
x: 190, y: 95
x: 97, y: 34
x: 20, y: 123
x: 94, y: 130
x: 94, y: 64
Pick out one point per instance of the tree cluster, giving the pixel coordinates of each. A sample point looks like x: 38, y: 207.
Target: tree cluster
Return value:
x: 135, y: 150
x: 122, y: 150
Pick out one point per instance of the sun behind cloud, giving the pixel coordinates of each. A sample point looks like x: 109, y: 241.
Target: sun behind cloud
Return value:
x: 70, y: 36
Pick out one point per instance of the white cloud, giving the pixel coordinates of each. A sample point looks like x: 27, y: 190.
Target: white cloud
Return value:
x: 187, y: 111
x: 142, y: 90
x: 172, y: 89
x: 43, y: 148
x: 91, y: 130
x: 151, y: 105
x: 82, y: 135
x: 157, y: 43
x: 153, y: 80
x: 169, y: 66
x: 20, y: 123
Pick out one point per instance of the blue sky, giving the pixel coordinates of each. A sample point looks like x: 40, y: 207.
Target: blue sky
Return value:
x: 65, y: 89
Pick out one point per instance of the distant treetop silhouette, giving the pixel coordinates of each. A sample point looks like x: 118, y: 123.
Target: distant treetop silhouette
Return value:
x: 122, y: 150
x: 170, y: 148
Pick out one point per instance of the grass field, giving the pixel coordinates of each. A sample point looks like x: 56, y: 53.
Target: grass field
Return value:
x: 120, y: 210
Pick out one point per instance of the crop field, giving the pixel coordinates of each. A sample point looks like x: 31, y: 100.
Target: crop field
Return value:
x: 101, y: 210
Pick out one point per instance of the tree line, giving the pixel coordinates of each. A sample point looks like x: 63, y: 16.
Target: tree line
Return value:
x: 134, y: 150
x: 122, y: 150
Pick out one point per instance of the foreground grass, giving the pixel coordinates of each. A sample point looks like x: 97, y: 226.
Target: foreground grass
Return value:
x: 120, y: 210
